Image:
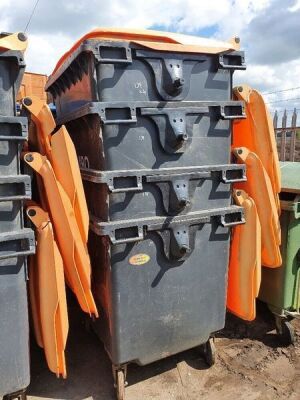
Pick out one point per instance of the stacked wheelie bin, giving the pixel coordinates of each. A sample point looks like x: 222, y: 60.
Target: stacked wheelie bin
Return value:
x: 16, y: 241
x: 150, y: 116
x: 280, y: 288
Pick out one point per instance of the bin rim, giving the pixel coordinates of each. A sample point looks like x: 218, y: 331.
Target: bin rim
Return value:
x: 292, y: 206
x: 155, y: 40
x: 289, y: 176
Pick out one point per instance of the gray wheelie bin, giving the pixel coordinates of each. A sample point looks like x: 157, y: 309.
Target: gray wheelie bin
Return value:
x: 16, y: 241
x: 152, y: 132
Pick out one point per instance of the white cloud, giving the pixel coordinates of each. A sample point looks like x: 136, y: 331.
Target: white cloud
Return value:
x: 271, y: 42
x: 239, y: 16
x: 295, y: 7
x: 43, y: 52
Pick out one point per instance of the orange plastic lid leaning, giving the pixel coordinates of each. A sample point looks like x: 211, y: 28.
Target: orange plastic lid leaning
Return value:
x: 244, y: 273
x: 256, y: 132
x: 259, y: 188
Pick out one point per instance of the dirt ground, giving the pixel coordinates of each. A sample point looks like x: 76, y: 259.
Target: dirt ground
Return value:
x: 251, y: 364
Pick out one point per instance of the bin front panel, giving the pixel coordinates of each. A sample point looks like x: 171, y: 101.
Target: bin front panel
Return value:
x: 155, y: 303
x: 154, y: 137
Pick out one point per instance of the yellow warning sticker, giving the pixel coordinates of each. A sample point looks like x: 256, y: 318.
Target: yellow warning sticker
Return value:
x: 139, y: 259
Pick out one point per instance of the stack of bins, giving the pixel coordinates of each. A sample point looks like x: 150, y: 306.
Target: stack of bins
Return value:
x: 152, y: 130
x: 16, y: 241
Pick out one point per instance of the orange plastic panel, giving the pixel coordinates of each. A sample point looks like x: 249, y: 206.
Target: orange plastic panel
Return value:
x: 67, y: 172
x: 50, y: 306
x: 244, y: 275
x: 259, y: 188
x: 72, y: 248
x: 61, y: 153
x: 15, y: 41
x: 256, y: 132
x: 156, y: 40
x: 44, y: 122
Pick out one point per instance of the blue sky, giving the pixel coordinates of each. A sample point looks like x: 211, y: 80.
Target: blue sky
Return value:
x: 209, y: 31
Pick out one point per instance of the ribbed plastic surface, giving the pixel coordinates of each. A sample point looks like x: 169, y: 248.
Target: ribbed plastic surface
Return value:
x: 16, y: 242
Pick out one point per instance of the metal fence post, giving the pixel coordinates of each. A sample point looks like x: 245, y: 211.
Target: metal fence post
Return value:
x: 293, y: 136
x: 283, y: 137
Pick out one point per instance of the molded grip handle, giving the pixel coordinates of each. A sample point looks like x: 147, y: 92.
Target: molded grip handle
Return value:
x: 232, y: 219
x: 25, y: 242
x: 132, y: 239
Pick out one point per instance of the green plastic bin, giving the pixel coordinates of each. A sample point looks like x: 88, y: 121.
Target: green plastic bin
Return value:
x: 280, y: 287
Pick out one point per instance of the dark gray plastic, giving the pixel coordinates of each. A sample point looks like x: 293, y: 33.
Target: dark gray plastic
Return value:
x: 12, y: 67
x: 160, y: 282
x: 14, y: 332
x: 16, y: 243
x: 165, y: 191
x: 15, y: 246
x: 152, y: 135
x: 14, y: 187
x: 13, y: 132
x: 106, y: 71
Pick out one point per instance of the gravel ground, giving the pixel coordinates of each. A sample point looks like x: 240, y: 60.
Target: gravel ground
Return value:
x: 251, y: 364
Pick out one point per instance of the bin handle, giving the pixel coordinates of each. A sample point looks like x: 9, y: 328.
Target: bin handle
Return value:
x: 16, y: 254
x: 297, y: 207
x: 125, y: 189
x: 132, y: 239
x: 232, y: 66
x: 110, y: 121
x: 227, y: 224
x: 26, y: 252
x: 109, y: 48
x: 132, y: 120
x: 241, y: 178
x: 24, y: 195
x: 239, y: 115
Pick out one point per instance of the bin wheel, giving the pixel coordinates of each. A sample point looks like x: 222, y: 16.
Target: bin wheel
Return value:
x: 16, y: 396
x: 285, y: 331
x: 210, y: 352
x: 120, y: 384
